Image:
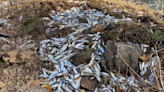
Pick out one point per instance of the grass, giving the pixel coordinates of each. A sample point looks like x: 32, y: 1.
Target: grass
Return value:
x: 158, y: 35
x: 29, y: 25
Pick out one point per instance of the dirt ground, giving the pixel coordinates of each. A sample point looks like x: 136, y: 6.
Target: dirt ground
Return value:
x: 24, y: 71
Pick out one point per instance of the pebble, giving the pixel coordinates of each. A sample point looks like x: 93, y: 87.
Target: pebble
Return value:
x: 27, y: 70
x: 34, y: 83
x: 2, y: 84
x: 5, y: 71
x: 41, y: 79
x: 18, y: 83
x: 4, y: 90
x: 9, y: 83
x: 27, y: 77
x: 82, y: 90
x: 12, y: 72
x: 29, y: 83
x: 19, y: 70
x: 58, y: 8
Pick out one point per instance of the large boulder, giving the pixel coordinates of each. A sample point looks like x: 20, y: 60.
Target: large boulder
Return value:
x: 129, y: 52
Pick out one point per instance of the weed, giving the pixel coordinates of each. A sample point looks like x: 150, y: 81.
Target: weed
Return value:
x: 158, y: 34
x: 29, y: 25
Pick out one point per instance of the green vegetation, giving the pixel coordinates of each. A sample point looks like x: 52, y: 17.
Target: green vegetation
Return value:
x: 29, y: 25
x: 158, y: 35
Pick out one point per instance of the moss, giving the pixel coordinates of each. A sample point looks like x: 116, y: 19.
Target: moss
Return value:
x: 101, y: 4
x: 117, y: 6
x: 161, y: 22
x: 137, y: 24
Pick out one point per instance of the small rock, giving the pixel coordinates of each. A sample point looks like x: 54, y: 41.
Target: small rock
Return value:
x: 34, y: 83
x: 11, y: 56
x: 3, y: 90
x: 98, y: 28
x: 24, y: 84
x: 82, y: 58
x: 130, y: 54
x: 36, y: 89
x: 58, y: 8
x: 27, y: 70
x: 82, y: 90
x: 41, y: 79
x: 19, y: 70
x: 5, y: 71
x: 28, y: 56
x: 29, y: 83
x: 88, y: 84
x: 61, y: 10
x: 2, y: 84
x: 18, y: 83
x: 12, y: 72
x: 27, y: 77
x: 9, y: 83
x: 19, y: 78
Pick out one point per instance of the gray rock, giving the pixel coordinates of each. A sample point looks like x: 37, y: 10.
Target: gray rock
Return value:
x: 130, y: 54
x: 36, y: 89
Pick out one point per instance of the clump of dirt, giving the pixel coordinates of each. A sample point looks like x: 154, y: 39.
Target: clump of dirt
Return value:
x: 56, y: 32
x: 21, y: 74
x: 131, y: 32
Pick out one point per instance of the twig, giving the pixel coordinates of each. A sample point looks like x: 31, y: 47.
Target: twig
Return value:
x: 109, y: 72
x: 159, y: 65
x: 155, y: 74
x: 160, y: 50
x: 132, y: 69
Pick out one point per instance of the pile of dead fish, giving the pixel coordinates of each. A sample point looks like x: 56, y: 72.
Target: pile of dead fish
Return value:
x: 66, y: 76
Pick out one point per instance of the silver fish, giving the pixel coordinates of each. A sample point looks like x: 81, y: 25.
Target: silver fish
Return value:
x: 71, y: 82
x: 66, y: 88
x: 53, y: 82
x: 61, y: 66
x: 55, y: 86
x: 45, y: 41
x: 78, y: 83
x: 45, y: 18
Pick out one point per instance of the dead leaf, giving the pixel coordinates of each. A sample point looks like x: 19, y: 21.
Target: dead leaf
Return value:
x: 47, y: 86
x: 145, y: 57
